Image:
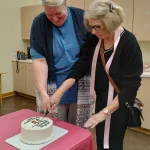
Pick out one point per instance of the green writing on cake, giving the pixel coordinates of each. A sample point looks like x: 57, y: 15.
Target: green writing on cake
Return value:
x: 37, y: 122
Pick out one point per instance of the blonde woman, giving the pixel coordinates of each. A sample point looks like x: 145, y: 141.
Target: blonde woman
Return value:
x: 123, y: 59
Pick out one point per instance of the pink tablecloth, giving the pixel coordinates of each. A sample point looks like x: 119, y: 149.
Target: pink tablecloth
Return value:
x: 76, y: 139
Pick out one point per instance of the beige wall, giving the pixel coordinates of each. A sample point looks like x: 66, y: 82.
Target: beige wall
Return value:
x: 10, y: 37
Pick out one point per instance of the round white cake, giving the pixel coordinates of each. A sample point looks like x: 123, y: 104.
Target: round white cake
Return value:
x: 36, y: 130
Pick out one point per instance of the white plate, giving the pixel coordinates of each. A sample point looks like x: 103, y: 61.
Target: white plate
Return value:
x: 15, y: 140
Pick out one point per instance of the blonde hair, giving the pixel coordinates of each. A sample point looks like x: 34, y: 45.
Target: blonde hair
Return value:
x: 111, y: 14
x: 53, y: 2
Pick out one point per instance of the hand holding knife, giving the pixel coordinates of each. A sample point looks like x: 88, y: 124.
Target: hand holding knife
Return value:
x: 45, y: 114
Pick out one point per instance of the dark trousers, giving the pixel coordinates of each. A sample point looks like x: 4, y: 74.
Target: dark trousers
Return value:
x: 117, y: 127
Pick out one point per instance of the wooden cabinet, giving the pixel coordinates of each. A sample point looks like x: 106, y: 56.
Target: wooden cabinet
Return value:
x: 141, y: 24
x: 28, y: 13
x: 128, y: 9
x: 144, y: 95
x: 87, y: 3
x: 19, y: 78
x: 23, y: 81
x: 76, y: 3
x: 137, y: 14
x: 30, y: 86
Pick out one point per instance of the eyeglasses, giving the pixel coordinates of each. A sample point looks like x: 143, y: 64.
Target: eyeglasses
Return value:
x: 97, y: 27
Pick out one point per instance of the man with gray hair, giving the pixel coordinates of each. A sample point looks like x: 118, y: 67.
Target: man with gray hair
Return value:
x: 57, y: 36
x: 53, y: 2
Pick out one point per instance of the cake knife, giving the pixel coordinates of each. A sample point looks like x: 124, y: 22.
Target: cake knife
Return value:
x: 46, y: 113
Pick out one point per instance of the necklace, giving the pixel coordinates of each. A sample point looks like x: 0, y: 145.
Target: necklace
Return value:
x: 105, y: 51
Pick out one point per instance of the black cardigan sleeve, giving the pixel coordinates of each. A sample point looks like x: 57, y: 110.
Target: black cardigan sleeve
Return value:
x: 132, y: 68
x: 83, y: 65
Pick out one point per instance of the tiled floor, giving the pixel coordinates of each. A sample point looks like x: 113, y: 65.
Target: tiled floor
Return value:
x: 133, y: 140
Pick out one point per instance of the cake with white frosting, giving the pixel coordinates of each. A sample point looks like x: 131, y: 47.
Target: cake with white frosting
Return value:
x: 36, y: 130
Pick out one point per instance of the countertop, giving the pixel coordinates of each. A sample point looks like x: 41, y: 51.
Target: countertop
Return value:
x: 24, y: 61
x: 144, y: 75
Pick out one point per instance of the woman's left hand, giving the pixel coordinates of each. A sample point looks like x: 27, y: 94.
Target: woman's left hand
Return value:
x: 55, y: 99
x: 95, y: 119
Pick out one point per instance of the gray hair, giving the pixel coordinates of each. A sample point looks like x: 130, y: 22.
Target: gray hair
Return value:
x: 53, y: 2
x: 111, y: 14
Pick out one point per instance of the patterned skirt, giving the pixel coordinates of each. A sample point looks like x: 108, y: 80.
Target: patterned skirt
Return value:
x: 84, y: 103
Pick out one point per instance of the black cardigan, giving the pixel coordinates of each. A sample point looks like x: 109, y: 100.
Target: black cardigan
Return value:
x: 126, y: 67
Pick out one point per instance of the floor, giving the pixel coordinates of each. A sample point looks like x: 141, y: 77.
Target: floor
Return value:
x: 133, y: 140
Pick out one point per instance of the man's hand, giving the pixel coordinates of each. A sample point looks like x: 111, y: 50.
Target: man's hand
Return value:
x: 55, y: 99
x: 46, y: 102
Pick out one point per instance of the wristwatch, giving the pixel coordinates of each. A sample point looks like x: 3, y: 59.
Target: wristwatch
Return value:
x: 106, y: 111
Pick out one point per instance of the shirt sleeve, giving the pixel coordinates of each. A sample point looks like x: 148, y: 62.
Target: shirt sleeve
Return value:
x: 35, y: 55
x: 132, y: 68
